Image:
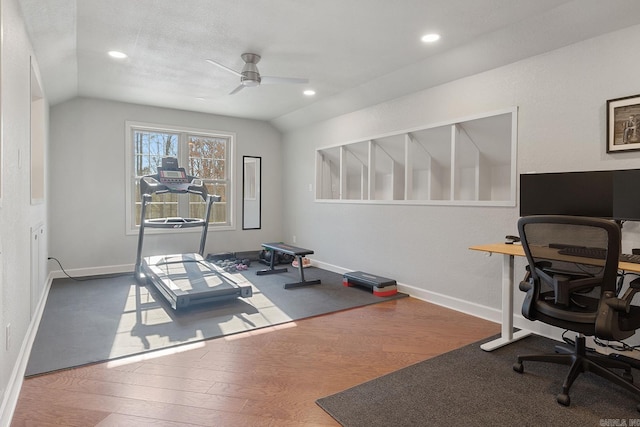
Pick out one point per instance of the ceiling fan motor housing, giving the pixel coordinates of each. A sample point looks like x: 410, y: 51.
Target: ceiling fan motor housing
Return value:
x: 250, y: 74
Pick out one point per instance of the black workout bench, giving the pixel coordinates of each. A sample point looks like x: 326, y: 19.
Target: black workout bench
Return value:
x: 290, y: 250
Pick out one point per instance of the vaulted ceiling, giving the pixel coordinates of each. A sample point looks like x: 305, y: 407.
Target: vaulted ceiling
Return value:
x: 355, y: 53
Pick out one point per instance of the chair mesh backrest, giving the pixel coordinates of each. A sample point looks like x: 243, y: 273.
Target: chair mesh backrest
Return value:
x: 575, y: 245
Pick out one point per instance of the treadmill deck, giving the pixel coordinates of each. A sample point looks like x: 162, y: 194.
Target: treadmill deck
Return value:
x: 188, y: 279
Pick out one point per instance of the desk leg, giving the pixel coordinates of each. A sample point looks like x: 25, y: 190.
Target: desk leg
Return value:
x: 507, y: 334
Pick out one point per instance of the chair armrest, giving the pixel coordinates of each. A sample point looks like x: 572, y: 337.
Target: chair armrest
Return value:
x: 611, y: 312
x: 526, y: 284
x: 618, y: 304
x: 624, y: 303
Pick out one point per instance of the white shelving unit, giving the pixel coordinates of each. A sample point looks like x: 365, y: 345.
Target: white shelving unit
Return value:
x: 471, y: 161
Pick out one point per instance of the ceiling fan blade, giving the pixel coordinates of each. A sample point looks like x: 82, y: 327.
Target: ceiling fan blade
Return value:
x: 271, y: 80
x: 224, y: 67
x: 236, y: 90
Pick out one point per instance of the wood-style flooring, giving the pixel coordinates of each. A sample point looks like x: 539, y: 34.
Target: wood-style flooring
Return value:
x: 268, y: 377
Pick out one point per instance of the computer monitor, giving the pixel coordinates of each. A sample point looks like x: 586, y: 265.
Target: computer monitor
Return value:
x: 626, y: 195
x: 587, y: 193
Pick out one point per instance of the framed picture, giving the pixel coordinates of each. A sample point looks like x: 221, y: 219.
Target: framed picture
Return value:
x: 623, y: 124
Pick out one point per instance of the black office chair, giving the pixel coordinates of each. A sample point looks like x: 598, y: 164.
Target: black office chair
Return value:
x: 571, y: 283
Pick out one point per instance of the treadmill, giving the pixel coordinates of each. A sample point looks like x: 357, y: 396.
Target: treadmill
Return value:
x: 183, y: 279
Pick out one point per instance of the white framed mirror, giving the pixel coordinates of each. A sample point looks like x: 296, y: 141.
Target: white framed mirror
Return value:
x: 251, y: 189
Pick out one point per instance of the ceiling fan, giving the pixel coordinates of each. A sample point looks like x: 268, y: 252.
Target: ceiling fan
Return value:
x: 250, y: 75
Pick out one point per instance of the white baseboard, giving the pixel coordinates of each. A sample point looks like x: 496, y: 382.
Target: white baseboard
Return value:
x: 17, y: 374
x: 477, y: 310
x: 487, y: 313
x: 329, y: 267
x: 482, y: 311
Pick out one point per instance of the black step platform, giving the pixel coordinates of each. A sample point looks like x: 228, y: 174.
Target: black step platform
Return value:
x: 381, y: 286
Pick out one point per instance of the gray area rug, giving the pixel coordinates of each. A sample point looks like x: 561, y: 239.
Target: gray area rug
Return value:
x: 107, y: 318
x: 471, y: 387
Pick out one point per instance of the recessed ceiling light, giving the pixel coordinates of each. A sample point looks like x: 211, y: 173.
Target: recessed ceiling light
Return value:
x: 309, y: 92
x: 117, y: 55
x: 430, y: 38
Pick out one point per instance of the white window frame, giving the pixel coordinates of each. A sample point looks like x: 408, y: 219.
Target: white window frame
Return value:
x: 130, y: 179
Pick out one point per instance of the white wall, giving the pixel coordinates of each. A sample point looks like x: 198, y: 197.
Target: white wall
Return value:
x: 17, y: 214
x: 561, y: 98
x: 88, y: 184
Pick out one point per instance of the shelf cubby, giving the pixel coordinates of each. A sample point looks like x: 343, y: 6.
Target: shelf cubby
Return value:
x: 468, y: 161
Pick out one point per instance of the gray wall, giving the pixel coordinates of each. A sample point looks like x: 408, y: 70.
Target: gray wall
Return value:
x: 561, y: 98
x: 17, y: 214
x: 88, y: 184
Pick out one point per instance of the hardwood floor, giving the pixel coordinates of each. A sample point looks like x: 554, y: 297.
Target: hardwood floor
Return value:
x: 268, y: 377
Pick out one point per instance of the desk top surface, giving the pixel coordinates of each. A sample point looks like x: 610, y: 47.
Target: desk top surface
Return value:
x: 517, y: 250
x: 500, y: 248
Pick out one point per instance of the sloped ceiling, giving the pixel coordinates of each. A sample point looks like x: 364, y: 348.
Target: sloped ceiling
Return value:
x: 355, y: 53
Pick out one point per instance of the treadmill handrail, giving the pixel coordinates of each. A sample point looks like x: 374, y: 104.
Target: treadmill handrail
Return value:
x: 174, y: 222
x: 150, y: 185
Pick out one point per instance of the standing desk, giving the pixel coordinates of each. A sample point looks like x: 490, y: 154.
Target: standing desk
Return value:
x: 509, y: 252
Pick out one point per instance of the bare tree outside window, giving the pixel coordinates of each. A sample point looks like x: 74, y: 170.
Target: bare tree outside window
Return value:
x: 207, y: 160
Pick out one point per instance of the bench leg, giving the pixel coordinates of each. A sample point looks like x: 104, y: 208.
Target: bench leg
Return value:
x: 302, y: 282
x: 300, y: 269
x: 299, y: 284
x: 272, y: 269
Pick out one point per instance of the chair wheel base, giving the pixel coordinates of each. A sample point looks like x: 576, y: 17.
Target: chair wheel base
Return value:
x: 518, y: 367
x: 564, y: 399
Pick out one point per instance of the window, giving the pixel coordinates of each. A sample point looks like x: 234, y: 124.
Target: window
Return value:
x: 204, y: 154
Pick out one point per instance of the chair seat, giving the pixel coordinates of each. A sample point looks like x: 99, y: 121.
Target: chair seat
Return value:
x: 581, y: 309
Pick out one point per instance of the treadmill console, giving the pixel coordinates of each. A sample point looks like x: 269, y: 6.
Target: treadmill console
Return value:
x: 173, y: 177
x: 174, y: 180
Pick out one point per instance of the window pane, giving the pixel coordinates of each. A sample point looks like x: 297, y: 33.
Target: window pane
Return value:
x: 219, y: 213
x: 207, y: 157
x: 149, y: 149
x: 197, y: 207
x: 219, y: 189
x: 162, y: 210
x: 219, y: 169
x: 161, y: 206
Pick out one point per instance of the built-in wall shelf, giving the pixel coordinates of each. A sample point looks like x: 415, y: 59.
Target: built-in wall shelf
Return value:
x: 471, y: 161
